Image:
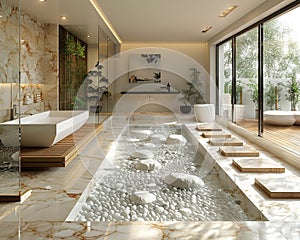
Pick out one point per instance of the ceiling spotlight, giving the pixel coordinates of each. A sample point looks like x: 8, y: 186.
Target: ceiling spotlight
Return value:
x: 63, y: 18
x: 206, y: 29
x: 42, y: 0
x: 227, y: 11
x: 88, y: 36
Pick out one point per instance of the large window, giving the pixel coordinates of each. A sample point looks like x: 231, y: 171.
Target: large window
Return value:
x: 282, y: 62
x: 246, y: 90
x: 225, y: 79
x: 260, y: 69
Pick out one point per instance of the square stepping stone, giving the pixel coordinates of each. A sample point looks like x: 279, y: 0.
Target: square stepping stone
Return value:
x: 216, y: 134
x: 257, y: 165
x: 208, y: 127
x: 225, y: 142
x: 281, y: 187
x: 242, y: 151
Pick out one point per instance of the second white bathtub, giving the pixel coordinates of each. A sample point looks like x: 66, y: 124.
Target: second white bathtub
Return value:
x: 46, y: 128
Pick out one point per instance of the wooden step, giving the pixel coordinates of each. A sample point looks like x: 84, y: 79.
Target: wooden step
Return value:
x: 243, y: 151
x: 225, y: 142
x: 61, y: 153
x: 208, y: 127
x: 216, y: 134
x: 257, y: 165
x: 280, y: 187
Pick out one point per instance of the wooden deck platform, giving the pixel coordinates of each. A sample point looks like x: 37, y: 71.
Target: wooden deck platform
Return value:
x: 287, y: 137
x: 63, y: 152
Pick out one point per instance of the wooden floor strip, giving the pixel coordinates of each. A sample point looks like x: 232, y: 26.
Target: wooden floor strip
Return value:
x: 287, y: 137
x: 63, y: 152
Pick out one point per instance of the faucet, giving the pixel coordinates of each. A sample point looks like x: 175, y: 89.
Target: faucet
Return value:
x: 13, y: 112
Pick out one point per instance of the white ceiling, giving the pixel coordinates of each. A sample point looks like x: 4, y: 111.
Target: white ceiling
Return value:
x: 141, y: 20
x: 172, y: 20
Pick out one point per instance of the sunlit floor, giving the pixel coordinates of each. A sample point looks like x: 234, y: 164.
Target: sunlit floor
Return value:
x: 56, y: 191
x: 284, y: 136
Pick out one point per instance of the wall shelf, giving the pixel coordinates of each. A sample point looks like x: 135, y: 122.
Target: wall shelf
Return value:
x: 149, y: 92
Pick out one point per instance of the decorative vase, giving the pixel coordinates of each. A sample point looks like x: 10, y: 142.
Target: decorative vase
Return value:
x: 185, y: 109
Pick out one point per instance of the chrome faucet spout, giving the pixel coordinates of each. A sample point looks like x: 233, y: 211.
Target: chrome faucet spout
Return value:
x: 13, y: 112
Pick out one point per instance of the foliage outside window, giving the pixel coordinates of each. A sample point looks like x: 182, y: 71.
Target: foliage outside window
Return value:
x: 293, y: 93
x: 273, y: 95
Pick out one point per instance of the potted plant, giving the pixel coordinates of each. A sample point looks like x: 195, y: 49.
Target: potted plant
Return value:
x: 272, y: 95
x: 97, y: 88
x: 228, y: 91
x: 157, y: 76
x: 191, y: 94
x: 293, y: 93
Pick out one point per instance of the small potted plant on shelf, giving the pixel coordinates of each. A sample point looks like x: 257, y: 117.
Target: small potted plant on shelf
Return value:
x: 157, y: 76
x: 293, y: 93
x: 191, y: 94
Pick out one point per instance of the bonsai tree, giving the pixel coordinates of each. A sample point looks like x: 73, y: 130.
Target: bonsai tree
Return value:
x: 253, y: 87
x: 192, y: 94
x: 272, y: 94
x: 97, y: 88
x: 293, y: 93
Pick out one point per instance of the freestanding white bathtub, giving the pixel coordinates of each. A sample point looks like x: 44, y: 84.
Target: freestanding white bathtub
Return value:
x: 284, y: 118
x: 43, y: 129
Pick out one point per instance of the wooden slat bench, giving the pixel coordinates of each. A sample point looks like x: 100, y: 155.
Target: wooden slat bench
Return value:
x: 61, y: 153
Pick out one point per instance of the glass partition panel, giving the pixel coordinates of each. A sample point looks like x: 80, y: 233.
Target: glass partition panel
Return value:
x: 246, y: 108
x: 282, y: 62
x: 9, y: 96
x: 225, y: 79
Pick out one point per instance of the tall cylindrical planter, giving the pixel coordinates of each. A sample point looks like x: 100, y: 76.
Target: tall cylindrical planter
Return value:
x: 204, y: 112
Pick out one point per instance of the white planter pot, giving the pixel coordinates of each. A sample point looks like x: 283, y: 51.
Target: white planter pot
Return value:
x: 204, y: 112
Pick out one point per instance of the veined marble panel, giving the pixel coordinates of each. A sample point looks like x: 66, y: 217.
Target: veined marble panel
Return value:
x: 39, y: 58
x: 140, y: 230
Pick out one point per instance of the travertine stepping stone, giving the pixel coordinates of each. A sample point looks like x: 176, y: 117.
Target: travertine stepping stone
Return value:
x: 216, y: 134
x: 225, y: 142
x: 243, y: 151
x: 208, y: 127
x: 258, y: 165
x: 281, y: 187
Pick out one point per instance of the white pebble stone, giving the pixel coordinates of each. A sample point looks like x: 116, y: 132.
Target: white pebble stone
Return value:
x: 176, y: 139
x: 185, y: 211
x: 143, y: 154
x: 142, y: 197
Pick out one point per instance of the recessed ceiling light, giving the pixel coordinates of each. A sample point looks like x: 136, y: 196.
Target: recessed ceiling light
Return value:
x: 42, y: 0
x: 63, y: 18
x: 227, y: 11
x: 206, y: 29
x: 88, y: 36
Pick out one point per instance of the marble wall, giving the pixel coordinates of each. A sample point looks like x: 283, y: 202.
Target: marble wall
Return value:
x: 38, y: 63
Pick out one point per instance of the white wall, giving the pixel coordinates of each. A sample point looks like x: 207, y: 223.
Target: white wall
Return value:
x: 177, y: 59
